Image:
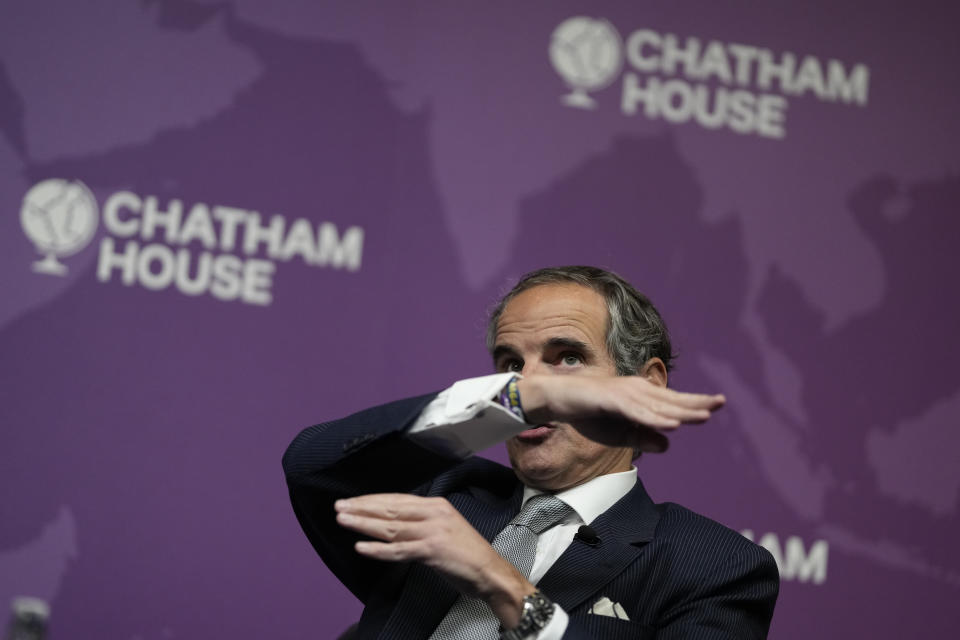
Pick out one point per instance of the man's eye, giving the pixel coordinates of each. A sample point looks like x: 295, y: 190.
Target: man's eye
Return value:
x: 572, y: 359
x: 514, y: 366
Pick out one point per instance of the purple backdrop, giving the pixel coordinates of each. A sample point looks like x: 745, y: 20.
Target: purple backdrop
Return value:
x: 266, y: 214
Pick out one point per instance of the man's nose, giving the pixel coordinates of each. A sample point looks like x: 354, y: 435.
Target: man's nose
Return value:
x: 532, y: 367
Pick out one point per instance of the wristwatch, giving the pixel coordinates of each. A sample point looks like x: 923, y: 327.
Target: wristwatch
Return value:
x: 537, y: 611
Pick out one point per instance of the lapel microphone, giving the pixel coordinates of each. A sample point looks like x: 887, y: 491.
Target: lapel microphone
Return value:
x: 587, y: 536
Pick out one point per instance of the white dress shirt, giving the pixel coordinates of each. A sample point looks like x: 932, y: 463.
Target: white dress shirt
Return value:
x: 467, y: 418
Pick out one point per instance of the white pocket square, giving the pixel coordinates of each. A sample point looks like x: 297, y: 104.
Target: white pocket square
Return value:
x: 606, y: 607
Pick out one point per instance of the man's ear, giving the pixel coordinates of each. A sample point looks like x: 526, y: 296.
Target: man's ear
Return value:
x: 655, y: 371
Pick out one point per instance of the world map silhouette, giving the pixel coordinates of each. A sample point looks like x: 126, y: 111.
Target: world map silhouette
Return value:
x: 141, y: 490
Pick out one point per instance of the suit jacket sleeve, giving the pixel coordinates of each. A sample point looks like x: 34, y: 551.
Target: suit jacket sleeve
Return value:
x: 363, y: 453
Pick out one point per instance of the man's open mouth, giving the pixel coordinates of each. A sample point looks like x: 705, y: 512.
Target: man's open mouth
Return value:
x: 537, y: 433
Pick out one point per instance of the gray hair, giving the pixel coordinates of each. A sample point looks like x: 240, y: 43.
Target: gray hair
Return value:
x: 635, y: 330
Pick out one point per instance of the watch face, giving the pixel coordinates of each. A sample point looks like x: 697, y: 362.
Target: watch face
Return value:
x: 537, y: 612
x: 541, y: 609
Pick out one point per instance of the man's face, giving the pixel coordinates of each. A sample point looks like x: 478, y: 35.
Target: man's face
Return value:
x: 557, y: 329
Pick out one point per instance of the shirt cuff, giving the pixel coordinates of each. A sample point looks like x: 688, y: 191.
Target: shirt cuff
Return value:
x: 464, y: 418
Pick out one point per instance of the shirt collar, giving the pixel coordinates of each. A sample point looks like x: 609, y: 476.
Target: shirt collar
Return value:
x: 592, y: 498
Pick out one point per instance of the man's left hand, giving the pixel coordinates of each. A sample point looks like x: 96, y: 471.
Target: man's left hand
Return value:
x: 431, y: 531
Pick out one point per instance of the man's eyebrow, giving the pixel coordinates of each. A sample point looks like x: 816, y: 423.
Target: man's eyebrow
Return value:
x: 571, y: 343
x: 504, y: 350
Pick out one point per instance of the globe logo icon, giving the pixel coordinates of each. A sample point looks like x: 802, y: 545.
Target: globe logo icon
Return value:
x: 587, y: 53
x: 59, y: 217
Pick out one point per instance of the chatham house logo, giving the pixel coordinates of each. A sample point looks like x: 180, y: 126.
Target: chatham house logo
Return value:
x: 60, y: 218
x: 588, y: 55
x: 683, y: 78
x: 195, y: 248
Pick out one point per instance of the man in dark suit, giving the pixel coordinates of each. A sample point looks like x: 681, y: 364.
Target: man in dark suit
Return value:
x: 404, y: 515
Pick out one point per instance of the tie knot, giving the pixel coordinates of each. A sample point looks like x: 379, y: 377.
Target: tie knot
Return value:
x: 542, y: 512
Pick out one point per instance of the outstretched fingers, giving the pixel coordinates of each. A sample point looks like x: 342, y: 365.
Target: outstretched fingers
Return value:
x: 387, y: 516
x: 404, y: 526
x: 388, y: 529
x: 391, y: 551
x: 685, y: 399
x: 665, y: 408
x: 392, y: 506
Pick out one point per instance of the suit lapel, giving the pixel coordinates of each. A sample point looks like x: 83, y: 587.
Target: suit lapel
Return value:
x: 583, y: 570
x: 486, y: 513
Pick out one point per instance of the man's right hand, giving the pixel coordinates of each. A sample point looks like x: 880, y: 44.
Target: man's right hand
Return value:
x: 614, y: 410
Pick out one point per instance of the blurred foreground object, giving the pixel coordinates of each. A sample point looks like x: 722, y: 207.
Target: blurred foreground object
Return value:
x: 29, y: 619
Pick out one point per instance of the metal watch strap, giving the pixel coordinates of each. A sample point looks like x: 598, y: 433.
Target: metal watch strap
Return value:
x: 537, y: 612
